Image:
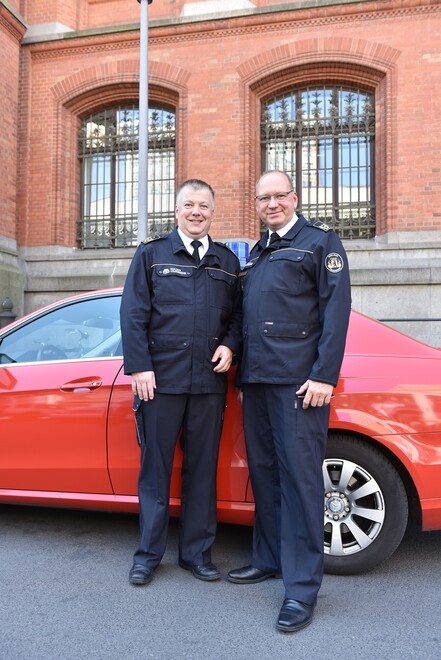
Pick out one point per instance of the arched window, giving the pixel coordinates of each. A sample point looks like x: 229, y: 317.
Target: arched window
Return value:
x: 108, y: 151
x: 324, y: 138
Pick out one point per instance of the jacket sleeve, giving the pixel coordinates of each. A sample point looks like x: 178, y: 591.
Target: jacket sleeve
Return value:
x: 334, y: 291
x: 135, y: 314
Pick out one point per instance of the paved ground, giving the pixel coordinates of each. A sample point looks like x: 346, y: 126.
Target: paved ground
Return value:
x: 65, y: 596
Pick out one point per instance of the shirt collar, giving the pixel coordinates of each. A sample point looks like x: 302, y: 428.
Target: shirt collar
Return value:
x: 188, y: 246
x: 284, y: 230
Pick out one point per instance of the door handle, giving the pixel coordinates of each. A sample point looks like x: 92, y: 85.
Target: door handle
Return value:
x: 82, y: 385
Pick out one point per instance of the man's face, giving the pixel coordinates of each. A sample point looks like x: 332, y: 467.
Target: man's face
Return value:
x: 194, y: 212
x: 275, y: 213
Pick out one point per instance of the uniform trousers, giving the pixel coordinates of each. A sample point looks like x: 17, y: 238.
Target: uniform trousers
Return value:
x: 200, y: 417
x: 286, y: 448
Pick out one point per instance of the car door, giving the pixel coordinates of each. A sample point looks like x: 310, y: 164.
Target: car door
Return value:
x: 123, y: 449
x: 56, y: 375
x: 124, y: 453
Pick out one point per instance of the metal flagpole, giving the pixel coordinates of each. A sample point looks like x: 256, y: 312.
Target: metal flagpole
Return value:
x: 143, y: 122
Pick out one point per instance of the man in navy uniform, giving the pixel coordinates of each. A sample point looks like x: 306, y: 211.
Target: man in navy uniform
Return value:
x: 181, y: 326
x: 296, y: 305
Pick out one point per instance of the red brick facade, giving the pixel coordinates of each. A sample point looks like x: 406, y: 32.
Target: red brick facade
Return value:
x: 214, y: 69
x: 11, y: 33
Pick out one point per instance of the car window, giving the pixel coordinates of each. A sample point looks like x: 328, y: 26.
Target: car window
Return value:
x: 84, y: 329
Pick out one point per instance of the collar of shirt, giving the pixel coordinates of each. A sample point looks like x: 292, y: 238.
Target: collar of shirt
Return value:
x: 188, y: 246
x: 284, y: 230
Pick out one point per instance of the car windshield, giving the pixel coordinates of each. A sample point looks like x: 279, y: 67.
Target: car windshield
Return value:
x: 82, y: 329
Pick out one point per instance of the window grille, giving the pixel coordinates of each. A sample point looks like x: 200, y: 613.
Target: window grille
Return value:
x: 108, y: 152
x: 324, y: 138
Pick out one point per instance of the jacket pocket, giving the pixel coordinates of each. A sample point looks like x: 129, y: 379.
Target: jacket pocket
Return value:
x: 173, y: 284
x: 171, y: 357
x: 286, y: 270
x: 283, y: 329
x: 168, y: 342
x: 221, y: 288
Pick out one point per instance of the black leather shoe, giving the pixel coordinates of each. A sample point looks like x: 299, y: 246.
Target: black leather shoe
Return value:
x: 248, y: 575
x: 207, y: 572
x: 140, y: 574
x: 294, y: 615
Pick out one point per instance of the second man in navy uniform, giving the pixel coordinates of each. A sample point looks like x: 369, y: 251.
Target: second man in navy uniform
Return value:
x: 181, y: 326
x: 296, y: 305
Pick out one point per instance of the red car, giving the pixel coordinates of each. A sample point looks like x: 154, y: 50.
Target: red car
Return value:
x: 67, y: 434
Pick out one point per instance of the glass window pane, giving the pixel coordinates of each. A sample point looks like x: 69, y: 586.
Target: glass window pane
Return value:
x: 89, y: 328
x: 108, y: 151
x: 323, y: 137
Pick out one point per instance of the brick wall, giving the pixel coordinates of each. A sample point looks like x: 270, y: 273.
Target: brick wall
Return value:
x: 114, y: 12
x: 68, y: 12
x: 11, y: 31
x: 16, y: 5
x: 217, y: 72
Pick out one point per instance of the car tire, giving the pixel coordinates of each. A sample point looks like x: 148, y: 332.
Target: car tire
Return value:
x: 366, y: 506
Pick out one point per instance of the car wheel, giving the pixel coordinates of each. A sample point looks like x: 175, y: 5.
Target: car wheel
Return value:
x: 366, y: 507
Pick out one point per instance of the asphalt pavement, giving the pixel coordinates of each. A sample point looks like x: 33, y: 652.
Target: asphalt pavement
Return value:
x: 65, y: 596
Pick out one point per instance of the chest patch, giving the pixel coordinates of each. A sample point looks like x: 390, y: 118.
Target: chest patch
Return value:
x: 180, y: 271
x: 334, y: 262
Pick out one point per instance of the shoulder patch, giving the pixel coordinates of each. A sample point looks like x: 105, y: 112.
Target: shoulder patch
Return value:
x: 334, y: 262
x: 318, y: 224
x: 154, y: 237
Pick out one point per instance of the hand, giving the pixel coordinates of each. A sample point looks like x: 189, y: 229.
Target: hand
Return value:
x: 223, y: 357
x: 144, y: 384
x: 315, y: 393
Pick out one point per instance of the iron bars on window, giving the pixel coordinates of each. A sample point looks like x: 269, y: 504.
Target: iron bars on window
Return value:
x: 108, y: 152
x: 324, y: 138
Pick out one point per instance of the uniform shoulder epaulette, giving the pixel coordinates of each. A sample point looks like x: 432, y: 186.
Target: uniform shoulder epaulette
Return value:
x: 318, y: 224
x: 155, y: 237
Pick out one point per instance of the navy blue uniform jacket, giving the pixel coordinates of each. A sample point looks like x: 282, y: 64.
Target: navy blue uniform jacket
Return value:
x: 174, y: 314
x: 296, y: 305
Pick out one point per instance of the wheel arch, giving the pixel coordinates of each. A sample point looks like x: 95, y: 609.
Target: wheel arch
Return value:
x: 415, y: 513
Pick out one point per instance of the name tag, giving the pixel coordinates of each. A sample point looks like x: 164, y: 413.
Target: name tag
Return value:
x: 177, y: 271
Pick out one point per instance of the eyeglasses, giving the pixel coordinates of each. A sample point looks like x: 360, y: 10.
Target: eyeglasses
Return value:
x: 279, y: 197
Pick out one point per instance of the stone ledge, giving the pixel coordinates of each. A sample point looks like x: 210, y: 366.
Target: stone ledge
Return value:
x: 190, y: 18
x: 395, y: 274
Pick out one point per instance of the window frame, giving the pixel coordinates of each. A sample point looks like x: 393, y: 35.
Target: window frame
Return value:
x: 110, y: 237
x: 288, y: 127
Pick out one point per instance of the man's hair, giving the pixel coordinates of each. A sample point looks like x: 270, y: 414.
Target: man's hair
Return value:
x: 196, y: 184
x: 288, y: 178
